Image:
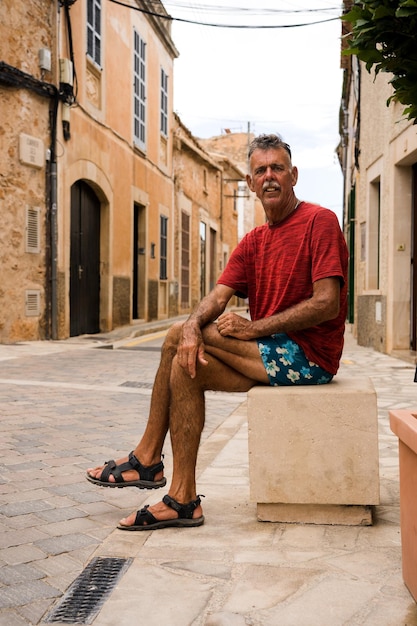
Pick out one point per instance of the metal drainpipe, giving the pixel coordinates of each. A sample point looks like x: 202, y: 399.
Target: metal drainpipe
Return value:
x: 53, y: 206
x: 54, y: 249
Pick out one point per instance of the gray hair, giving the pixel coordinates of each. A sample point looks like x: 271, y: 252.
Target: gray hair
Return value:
x: 268, y: 142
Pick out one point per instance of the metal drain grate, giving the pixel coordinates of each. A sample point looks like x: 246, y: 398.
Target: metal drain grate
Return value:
x: 88, y: 592
x: 134, y: 383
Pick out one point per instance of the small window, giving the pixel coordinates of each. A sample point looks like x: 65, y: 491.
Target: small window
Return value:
x: 185, y: 260
x: 139, y: 91
x: 94, y: 31
x: 32, y: 230
x: 163, y: 274
x: 164, y: 103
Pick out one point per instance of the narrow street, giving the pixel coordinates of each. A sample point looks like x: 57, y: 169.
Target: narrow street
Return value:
x: 69, y: 405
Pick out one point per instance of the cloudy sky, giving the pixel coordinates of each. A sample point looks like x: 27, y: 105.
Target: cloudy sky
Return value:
x: 284, y: 79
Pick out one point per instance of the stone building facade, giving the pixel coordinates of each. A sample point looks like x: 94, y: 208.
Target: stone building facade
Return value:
x: 206, y: 192
x: 26, y: 103
x: 378, y: 154
x: 94, y: 190
x: 235, y: 146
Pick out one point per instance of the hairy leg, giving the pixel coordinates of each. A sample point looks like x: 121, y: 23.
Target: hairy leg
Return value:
x: 186, y: 423
x: 149, y: 449
x: 178, y: 403
x: 242, y: 356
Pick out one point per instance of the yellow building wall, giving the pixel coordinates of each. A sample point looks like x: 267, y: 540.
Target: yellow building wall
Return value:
x: 101, y: 151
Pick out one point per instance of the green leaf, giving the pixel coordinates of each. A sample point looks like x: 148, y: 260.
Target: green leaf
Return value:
x: 408, y: 3
x: 383, y: 11
x: 383, y: 37
x: 406, y: 12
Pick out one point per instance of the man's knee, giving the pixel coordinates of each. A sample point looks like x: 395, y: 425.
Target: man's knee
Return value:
x: 211, y: 335
x: 172, y: 337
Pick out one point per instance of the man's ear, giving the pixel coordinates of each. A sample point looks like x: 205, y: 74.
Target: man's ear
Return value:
x: 294, y: 175
x: 249, y: 182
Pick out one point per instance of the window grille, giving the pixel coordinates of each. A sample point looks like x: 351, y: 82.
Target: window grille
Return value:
x: 163, y: 274
x: 185, y: 260
x: 32, y: 302
x: 164, y: 103
x: 139, y: 91
x: 32, y: 230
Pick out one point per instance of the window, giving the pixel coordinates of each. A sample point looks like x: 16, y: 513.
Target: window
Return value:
x: 163, y: 247
x: 374, y: 235
x: 185, y: 260
x: 139, y: 95
x: 203, y: 237
x: 164, y: 103
x: 94, y: 31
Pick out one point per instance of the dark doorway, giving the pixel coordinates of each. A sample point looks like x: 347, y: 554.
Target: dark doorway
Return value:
x: 84, y: 260
x: 139, y: 262
x: 413, y: 325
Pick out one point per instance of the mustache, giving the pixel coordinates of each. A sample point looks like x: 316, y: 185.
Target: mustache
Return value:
x: 271, y: 185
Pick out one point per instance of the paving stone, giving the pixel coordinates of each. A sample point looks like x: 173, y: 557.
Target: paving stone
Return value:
x: 13, y: 574
x: 21, y: 537
x: 11, y: 618
x: 233, y: 570
x: 204, y: 568
x: 23, y: 593
x: 225, y: 618
x: 34, y: 611
x: 264, y: 586
x: 57, y: 565
x: 22, y: 521
x: 70, y: 526
x: 22, y: 554
x: 331, y: 601
x: 21, y: 508
x: 167, y: 610
x: 67, y: 543
x: 62, y: 514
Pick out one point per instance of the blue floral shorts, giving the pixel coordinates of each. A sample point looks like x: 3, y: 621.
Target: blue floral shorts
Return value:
x: 286, y: 363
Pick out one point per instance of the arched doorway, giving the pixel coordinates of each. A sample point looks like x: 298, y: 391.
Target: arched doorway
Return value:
x: 84, y: 260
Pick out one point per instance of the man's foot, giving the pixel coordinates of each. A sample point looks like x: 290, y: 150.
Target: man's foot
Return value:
x: 128, y: 472
x: 166, y: 514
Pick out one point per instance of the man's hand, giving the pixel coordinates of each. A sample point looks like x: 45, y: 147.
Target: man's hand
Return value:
x: 190, y: 349
x: 232, y: 325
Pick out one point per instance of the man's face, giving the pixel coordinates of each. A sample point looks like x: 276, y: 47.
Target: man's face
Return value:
x: 272, y: 178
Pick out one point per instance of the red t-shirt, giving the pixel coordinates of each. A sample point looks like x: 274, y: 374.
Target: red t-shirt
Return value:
x: 275, y: 268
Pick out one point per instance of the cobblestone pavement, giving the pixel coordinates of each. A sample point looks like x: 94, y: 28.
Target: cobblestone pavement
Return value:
x: 65, y: 406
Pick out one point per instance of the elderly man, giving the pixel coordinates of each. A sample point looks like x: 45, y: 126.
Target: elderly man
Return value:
x: 293, y: 270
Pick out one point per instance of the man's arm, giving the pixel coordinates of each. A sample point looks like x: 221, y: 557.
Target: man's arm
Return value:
x: 324, y: 305
x: 191, y: 346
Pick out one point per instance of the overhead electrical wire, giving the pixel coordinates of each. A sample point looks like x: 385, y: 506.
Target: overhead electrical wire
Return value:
x: 237, y: 10
x: 217, y: 25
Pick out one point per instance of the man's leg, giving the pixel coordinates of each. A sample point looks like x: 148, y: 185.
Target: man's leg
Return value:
x: 149, y: 449
x: 242, y: 356
x: 187, y: 411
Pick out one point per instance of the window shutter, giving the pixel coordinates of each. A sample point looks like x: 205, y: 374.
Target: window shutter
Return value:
x: 32, y: 230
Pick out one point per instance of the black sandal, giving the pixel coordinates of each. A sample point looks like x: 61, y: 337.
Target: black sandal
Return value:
x: 146, y: 475
x: 146, y: 521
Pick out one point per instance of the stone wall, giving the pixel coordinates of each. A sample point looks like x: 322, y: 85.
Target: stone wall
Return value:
x: 25, y: 28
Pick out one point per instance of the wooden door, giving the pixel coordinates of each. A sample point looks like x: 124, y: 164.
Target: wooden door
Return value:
x: 84, y: 261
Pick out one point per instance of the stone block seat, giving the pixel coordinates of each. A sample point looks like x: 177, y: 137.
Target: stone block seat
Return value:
x: 313, y: 452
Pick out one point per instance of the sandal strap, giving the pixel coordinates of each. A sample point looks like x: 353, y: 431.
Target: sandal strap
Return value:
x: 185, y: 511
x: 144, y: 517
x: 145, y: 473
